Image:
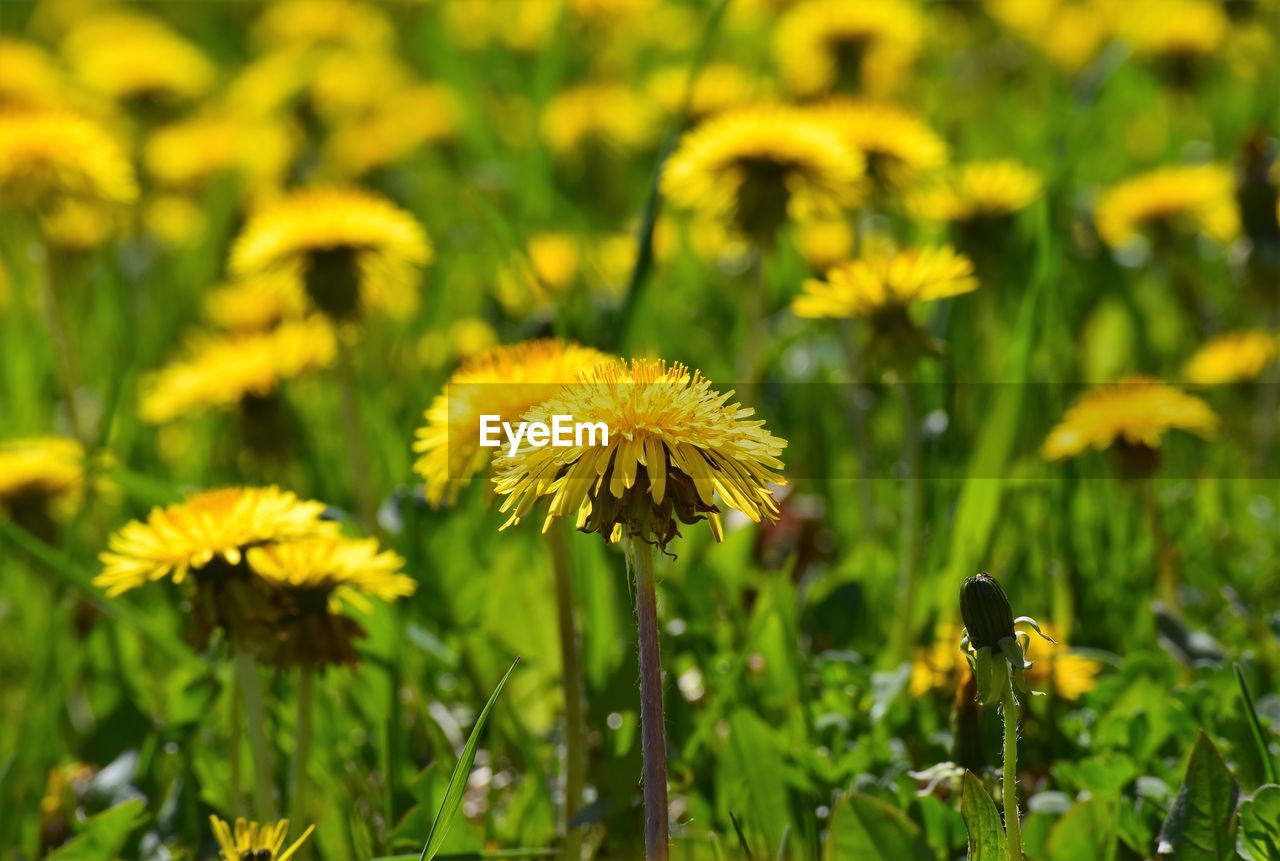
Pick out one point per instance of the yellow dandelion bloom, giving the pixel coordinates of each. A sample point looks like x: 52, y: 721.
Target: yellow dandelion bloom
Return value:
x: 977, y: 191
x: 311, y: 23
x: 224, y: 371
x: 77, y: 225
x: 190, y: 153
x: 407, y: 120
x: 215, y: 525
x: 675, y: 448
x: 1055, y: 667
x: 887, y: 281
x: 1170, y: 200
x: 177, y: 220
x: 345, y: 83
x: 40, y: 476
x: 719, y: 87
x: 126, y: 55
x: 824, y: 242
x: 823, y: 45
x: 49, y: 156
x: 1232, y: 358
x: 897, y: 144
x: 612, y: 116
x: 354, y: 249
x: 554, y: 263
x: 464, y: 339
x: 1180, y: 28
x: 1135, y: 412
x: 30, y: 80
x: 269, y: 85
x: 256, y: 304
x: 1068, y: 32
x: 755, y: 167
x: 505, y: 381
x: 250, y: 840
x: 520, y: 25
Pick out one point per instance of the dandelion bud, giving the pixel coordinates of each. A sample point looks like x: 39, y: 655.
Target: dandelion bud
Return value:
x: 985, y: 610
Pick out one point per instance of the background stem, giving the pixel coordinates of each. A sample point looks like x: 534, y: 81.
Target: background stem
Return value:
x: 302, y: 746
x: 1012, y: 827
x: 652, y: 720
x: 259, y: 750
x: 366, y: 509
x: 571, y: 683
x: 909, y: 572
x: 68, y: 371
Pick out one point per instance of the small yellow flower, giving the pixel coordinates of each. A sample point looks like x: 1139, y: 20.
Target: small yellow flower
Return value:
x: 190, y: 153
x: 1177, y: 28
x: 612, y: 116
x: 523, y: 26
x: 755, y: 167
x: 224, y: 371
x: 41, y: 476
x: 215, y: 525
x: 719, y: 87
x: 887, y: 282
x: 897, y: 144
x: 393, y: 128
x: 311, y: 23
x: 355, y: 250
x: 253, y: 842
x: 506, y: 382
x: 824, y: 242
x: 1135, y: 413
x: 177, y: 220
x: 31, y: 80
x: 977, y: 191
x: 47, y: 157
x: 1069, y: 32
x: 826, y: 44
x: 1170, y: 201
x: 1055, y: 667
x: 675, y: 449
x: 1232, y: 358
x: 127, y: 55
x: 77, y: 225
x: 256, y: 304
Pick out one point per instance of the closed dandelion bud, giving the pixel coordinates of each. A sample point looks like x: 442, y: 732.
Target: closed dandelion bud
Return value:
x: 985, y: 609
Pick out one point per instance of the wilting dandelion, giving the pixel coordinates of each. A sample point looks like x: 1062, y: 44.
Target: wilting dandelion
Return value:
x: 250, y: 841
x: 677, y: 449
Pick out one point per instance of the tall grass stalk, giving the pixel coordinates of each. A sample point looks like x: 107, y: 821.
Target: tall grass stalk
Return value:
x: 259, y: 748
x: 353, y: 431
x: 575, y: 757
x: 652, y: 721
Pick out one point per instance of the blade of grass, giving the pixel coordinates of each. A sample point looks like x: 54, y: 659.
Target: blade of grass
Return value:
x: 1259, y: 734
x: 458, y: 780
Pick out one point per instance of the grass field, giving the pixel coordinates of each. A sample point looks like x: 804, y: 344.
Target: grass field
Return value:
x: 996, y: 285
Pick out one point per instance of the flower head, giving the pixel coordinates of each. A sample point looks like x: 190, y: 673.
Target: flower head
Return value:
x: 755, y: 167
x: 224, y: 371
x: 393, y: 128
x: 49, y: 157
x: 611, y: 115
x: 1174, y: 28
x: 354, y: 250
x: 718, y: 87
x: 1133, y: 413
x: 826, y: 44
x: 897, y: 144
x: 675, y: 448
x: 256, y: 304
x: 977, y: 192
x: 312, y: 23
x: 127, y: 55
x: 1170, y: 201
x: 505, y: 381
x: 31, y: 79
x: 887, y: 282
x: 253, y: 842
x: 40, y: 477
x: 994, y: 648
x: 1232, y: 358
x: 189, y: 153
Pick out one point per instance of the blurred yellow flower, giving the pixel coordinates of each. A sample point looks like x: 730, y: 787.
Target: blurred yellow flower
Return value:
x: 1232, y: 358
x: 897, y: 144
x: 406, y: 120
x: 77, y: 225
x: 215, y: 525
x: 30, y: 79
x: 612, y: 116
x: 540, y: 274
x: 355, y: 250
x: 463, y: 340
x: 977, y: 191
x: 674, y: 446
x: 127, y: 55
x: 256, y: 304
x: 824, y: 242
x: 505, y: 381
x: 1068, y: 32
x: 309, y: 23
x: 345, y: 83
x: 823, y: 45
x: 46, y: 157
x: 41, y: 476
x: 1170, y: 201
x: 756, y: 167
x: 1054, y: 668
x: 520, y: 25
x: 886, y: 282
x: 718, y: 88
x: 177, y: 220
x: 1135, y: 412
x: 253, y: 841
x: 188, y: 154
x: 1178, y: 28
x: 224, y: 371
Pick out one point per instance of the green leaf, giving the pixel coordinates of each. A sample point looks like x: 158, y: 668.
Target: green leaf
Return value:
x: 1201, y: 825
x: 1260, y: 824
x: 868, y: 829
x: 1255, y: 726
x: 104, y: 835
x: 1088, y: 832
x: 458, y: 780
x: 982, y: 820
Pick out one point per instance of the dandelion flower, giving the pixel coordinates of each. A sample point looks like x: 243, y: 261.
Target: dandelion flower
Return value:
x: 887, y: 283
x: 1068, y: 32
x: 126, y: 55
x: 310, y: 23
x: 977, y: 192
x: 944, y: 667
x: 611, y: 115
x: 50, y: 156
x: 718, y: 87
x: 253, y: 842
x: 31, y: 80
x: 392, y: 129
x: 41, y: 478
x: 755, y: 167
x: 675, y: 449
x: 312, y: 580
x: 506, y: 382
x: 225, y: 371
x: 897, y: 144
x: 1168, y: 202
x: 1232, y: 358
x: 828, y: 44
x: 188, y: 154
x: 256, y: 304
x: 824, y: 242
x: 1134, y: 413
x: 175, y: 219
x: 354, y: 249
x: 1173, y: 28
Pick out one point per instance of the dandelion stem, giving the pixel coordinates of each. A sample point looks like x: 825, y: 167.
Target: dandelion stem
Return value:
x: 302, y: 746
x: 234, y: 743
x: 909, y: 572
x: 68, y: 373
x: 1166, y: 559
x: 260, y: 751
x: 365, y: 508
x: 571, y: 682
x: 652, y: 721
x: 756, y: 328
x: 1012, y: 827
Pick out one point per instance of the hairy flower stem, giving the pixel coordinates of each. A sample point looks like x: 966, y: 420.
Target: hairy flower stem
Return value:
x: 652, y: 720
x: 68, y: 373
x: 1012, y: 827
x: 366, y: 509
x: 571, y: 681
x: 302, y: 746
x: 912, y: 487
x: 259, y: 750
